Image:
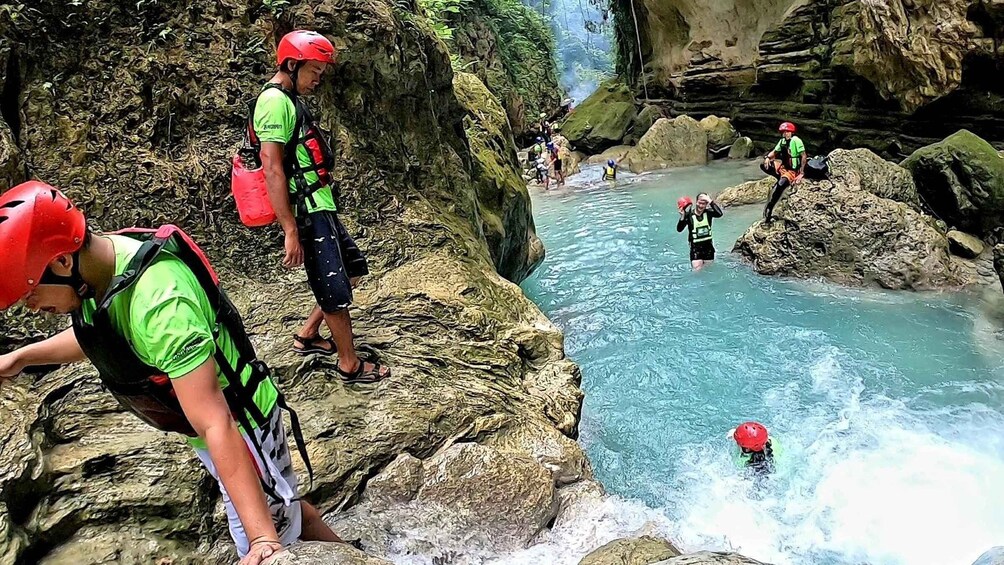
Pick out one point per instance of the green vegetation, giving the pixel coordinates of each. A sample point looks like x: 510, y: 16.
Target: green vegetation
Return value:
x: 439, y: 13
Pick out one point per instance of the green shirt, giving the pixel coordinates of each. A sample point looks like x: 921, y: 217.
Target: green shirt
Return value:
x: 795, y: 148
x: 166, y: 318
x: 274, y: 121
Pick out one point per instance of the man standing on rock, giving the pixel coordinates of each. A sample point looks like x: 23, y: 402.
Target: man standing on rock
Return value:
x: 298, y: 163
x: 148, y: 312
x: 786, y: 163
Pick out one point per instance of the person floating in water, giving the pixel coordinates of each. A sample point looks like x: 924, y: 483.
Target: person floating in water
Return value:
x: 756, y: 448
x: 611, y: 168
x: 698, y: 220
x: 786, y: 163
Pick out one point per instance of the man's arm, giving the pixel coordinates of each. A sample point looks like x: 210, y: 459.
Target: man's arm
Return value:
x: 59, y: 349
x: 714, y: 210
x: 804, y: 159
x: 278, y: 195
x: 207, y: 411
x: 682, y: 224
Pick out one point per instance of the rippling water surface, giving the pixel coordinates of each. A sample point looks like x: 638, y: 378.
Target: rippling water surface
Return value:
x: 888, y: 405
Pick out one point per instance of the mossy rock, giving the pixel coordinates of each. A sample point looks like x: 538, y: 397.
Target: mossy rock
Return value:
x: 602, y: 120
x: 961, y: 180
x: 642, y: 123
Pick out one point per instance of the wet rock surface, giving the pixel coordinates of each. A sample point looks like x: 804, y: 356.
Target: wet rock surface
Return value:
x: 440, y: 220
x: 642, y: 550
x: 840, y: 229
x: 670, y: 143
x: 889, y: 76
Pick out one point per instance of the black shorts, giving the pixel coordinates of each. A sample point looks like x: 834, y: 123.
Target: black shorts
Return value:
x: 331, y: 259
x: 702, y: 251
x: 557, y: 165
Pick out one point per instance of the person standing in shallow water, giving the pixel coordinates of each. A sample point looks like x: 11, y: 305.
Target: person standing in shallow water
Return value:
x: 148, y: 312
x: 786, y: 163
x: 297, y: 162
x: 697, y: 221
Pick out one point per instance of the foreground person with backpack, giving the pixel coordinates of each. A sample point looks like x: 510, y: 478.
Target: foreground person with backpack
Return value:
x: 297, y: 164
x: 148, y: 312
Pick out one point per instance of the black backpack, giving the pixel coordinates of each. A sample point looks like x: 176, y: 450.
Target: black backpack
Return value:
x: 817, y: 168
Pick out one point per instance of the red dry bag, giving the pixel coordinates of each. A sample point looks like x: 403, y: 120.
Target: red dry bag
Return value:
x: 251, y: 195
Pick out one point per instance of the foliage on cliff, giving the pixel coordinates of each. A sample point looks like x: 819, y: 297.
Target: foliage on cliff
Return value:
x: 511, y: 49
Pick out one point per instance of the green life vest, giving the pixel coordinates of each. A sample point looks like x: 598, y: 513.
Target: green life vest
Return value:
x: 700, y: 229
x: 609, y: 173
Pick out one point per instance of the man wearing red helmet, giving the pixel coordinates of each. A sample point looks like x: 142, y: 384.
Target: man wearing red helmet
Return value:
x: 297, y: 163
x: 148, y: 312
x: 786, y: 163
x: 756, y: 449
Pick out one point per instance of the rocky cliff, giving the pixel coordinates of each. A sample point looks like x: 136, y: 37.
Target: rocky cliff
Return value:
x: 134, y: 108
x: 511, y: 49
x: 890, y: 76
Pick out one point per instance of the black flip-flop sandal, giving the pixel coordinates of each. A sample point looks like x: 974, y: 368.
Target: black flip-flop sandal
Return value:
x: 360, y: 375
x: 309, y: 345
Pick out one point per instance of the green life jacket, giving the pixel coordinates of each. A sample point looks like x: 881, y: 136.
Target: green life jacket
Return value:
x: 609, y: 173
x: 700, y: 229
x: 747, y: 460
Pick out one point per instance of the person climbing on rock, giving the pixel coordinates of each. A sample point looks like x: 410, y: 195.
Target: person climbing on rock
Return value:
x: 611, y: 168
x: 148, y: 312
x: 786, y: 163
x: 544, y: 127
x: 298, y: 163
x: 697, y: 220
x: 756, y: 450
x: 554, y: 154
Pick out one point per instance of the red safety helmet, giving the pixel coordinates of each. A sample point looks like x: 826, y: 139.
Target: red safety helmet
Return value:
x: 751, y: 436
x: 683, y: 202
x: 303, y: 45
x: 37, y: 224
x: 786, y: 127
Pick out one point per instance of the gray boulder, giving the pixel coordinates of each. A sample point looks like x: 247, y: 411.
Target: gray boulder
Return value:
x: 965, y: 245
x: 720, y: 132
x: 741, y: 148
x: 961, y: 180
x: 670, y: 143
x: 643, y: 550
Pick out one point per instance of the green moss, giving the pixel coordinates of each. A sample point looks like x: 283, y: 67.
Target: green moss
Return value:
x: 511, y: 49
x: 602, y: 119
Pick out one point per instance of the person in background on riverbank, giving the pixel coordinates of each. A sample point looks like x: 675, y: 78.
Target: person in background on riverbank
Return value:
x: 611, y: 168
x: 554, y: 154
x: 697, y: 220
x: 147, y: 311
x: 544, y: 127
x: 786, y: 163
x: 297, y: 165
x: 535, y: 152
x: 756, y: 450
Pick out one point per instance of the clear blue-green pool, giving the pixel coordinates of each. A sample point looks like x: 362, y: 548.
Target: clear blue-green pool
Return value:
x: 888, y: 405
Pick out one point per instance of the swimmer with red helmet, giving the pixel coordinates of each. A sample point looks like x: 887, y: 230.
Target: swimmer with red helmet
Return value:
x: 756, y: 448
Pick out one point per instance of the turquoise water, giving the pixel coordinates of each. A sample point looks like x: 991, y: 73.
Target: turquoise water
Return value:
x: 887, y: 405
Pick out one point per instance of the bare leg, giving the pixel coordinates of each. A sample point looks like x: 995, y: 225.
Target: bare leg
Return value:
x: 314, y: 528
x: 340, y: 325
x: 697, y: 265
x: 313, y: 324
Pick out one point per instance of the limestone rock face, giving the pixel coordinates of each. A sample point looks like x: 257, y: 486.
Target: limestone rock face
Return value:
x: 602, y: 119
x: 614, y: 153
x: 711, y: 558
x: 670, y: 143
x: 965, y: 245
x: 962, y: 181
x: 741, y: 148
x: 890, y: 76
x: 642, y: 123
x: 632, y: 551
x: 318, y: 553
x: 503, y: 201
x: 752, y: 192
x: 468, y: 498
x: 472, y: 357
x: 840, y: 230
x: 720, y: 132
x: 861, y: 167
